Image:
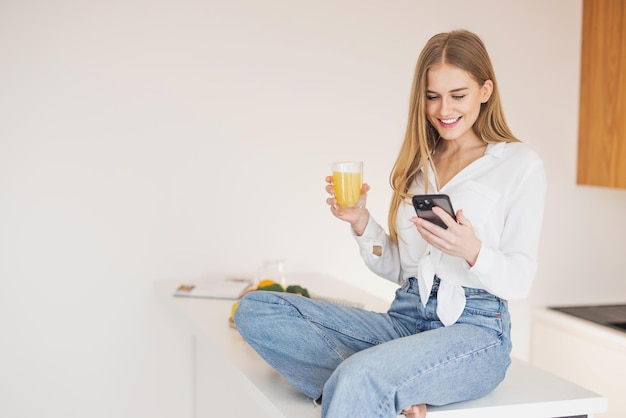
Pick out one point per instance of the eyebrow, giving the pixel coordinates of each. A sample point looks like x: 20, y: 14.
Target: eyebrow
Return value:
x: 451, y: 91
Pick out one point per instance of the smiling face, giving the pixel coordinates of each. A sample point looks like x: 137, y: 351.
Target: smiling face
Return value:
x: 453, y: 100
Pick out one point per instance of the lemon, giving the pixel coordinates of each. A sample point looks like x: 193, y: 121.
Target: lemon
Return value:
x: 233, y: 309
x: 265, y: 282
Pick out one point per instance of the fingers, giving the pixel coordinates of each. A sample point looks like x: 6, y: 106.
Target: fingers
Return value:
x: 445, y: 216
x: 434, y: 234
x: 458, y: 239
x: 331, y: 190
x: 462, y: 220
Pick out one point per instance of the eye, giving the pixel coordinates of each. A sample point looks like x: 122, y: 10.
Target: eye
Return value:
x: 459, y: 97
x: 431, y: 97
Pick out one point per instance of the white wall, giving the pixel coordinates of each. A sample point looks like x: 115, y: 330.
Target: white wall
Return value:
x: 151, y: 140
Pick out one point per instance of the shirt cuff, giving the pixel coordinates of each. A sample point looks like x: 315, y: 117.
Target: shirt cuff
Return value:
x: 484, y: 262
x: 371, y: 235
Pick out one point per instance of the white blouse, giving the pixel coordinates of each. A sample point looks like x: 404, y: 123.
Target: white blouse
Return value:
x: 502, y: 194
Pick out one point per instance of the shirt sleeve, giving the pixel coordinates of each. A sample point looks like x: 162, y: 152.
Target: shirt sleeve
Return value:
x: 508, y: 271
x: 385, y: 265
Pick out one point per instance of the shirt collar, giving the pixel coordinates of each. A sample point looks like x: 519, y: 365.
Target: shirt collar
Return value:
x: 495, y: 150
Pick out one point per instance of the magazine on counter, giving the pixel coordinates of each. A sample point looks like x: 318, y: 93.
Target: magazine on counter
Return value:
x: 231, y: 288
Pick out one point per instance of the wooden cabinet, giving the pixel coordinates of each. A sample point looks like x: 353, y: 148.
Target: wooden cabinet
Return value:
x: 602, y: 112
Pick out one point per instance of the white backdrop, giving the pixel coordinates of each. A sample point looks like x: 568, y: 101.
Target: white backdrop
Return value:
x: 151, y: 140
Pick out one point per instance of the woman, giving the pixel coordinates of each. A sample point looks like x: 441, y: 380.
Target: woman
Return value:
x: 446, y: 336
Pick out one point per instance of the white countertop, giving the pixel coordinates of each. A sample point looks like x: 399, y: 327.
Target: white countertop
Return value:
x: 603, y: 335
x: 526, y: 391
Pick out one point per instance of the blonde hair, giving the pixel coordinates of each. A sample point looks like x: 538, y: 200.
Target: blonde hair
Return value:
x: 466, y: 51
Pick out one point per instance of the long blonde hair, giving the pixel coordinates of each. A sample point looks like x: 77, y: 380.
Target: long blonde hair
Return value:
x: 462, y: 49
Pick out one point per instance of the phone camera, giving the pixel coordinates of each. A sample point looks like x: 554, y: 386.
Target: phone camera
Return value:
x: 425, y: 204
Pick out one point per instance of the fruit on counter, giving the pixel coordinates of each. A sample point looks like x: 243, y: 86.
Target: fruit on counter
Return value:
x: 299, y: 290
x: 231, y: 318
x: 265, y: 282
x: 272, y: 286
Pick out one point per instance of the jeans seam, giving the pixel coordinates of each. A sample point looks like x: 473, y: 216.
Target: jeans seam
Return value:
x: 340, y: 330
x: 395, y: 389
x: 448, y: 361
x: 314, y: 324
x: 312, y: 320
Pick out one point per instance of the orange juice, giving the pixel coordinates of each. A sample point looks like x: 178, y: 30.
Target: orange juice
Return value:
x: 347, y: 182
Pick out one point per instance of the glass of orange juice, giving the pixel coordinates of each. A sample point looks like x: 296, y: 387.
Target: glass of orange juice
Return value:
x: 347, y: 181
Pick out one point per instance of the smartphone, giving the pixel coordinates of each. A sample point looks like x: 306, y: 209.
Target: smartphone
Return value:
x: 424, y: 207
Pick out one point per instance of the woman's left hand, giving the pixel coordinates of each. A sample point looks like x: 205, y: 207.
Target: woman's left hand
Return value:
x: 458, y: 240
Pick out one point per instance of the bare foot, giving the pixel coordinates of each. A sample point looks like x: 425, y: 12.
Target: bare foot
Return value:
x: 415, y: 411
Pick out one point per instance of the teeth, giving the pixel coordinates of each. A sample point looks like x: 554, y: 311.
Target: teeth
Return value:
x: 450, y: 120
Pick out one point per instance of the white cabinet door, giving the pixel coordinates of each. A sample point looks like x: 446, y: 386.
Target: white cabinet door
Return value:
x: 590, y: 355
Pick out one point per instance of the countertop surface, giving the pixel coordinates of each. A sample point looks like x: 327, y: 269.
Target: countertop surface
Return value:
x: 526, y: 392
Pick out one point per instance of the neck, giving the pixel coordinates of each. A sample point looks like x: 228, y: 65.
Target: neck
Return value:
x: 456, y: 146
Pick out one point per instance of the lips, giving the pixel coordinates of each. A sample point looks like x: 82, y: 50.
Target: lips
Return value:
x: 449, y: 122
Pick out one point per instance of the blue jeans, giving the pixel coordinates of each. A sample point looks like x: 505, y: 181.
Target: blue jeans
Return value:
x: 370, y: 364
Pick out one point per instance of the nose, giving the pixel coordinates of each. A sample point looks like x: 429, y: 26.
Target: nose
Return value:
x: 446, y: 106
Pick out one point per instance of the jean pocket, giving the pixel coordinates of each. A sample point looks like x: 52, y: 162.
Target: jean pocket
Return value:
x: 483, y: 303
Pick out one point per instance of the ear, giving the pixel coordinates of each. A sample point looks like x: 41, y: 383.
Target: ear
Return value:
x: 486, y: 90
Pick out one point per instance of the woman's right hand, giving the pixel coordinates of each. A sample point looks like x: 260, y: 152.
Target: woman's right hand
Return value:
x: 357, y: 215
